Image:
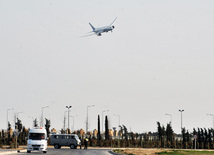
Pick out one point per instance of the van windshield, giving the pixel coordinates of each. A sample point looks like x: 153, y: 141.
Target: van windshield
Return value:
x: 36, y: 136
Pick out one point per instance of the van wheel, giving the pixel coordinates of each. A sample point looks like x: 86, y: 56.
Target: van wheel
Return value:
x: 44, y: 151
x: 57, y: 146
x: 28, y: 151
x: 73, y: 146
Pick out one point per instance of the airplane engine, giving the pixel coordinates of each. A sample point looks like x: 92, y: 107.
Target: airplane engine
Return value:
x: 99, y: 34
x: 113, y: 27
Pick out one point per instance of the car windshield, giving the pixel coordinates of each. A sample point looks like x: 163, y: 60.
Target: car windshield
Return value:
x: 36, y: 136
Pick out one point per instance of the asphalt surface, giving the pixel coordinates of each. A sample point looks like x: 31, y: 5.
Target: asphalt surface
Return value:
x: 67, y: 151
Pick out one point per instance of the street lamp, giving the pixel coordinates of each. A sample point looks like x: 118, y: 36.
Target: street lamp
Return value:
x: 87, y: 118
x: 7, y: 117
x: 181, y: 119
x: 118, y: 120
x: 68, y: 115
x: 102, y: 117
x: 42, y: 115
x: 213, y: 118
x: 170, y: 118
x: 64, y: 119
x: 73, y: 122
x: 181, y: 122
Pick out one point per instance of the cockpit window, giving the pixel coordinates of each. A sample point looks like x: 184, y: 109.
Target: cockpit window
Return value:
x: 36, y: 136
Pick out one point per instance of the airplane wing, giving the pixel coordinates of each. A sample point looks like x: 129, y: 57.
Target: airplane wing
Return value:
x: 113, y: 21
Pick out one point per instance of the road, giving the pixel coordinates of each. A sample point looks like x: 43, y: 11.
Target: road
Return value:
x: 68, y: 151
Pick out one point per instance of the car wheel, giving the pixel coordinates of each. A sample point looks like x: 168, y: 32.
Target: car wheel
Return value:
x: 28, y: 151
x: 72, y: 146
x: 57, y: 146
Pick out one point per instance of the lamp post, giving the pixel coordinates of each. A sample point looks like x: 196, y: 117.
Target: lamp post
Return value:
x: 73, y: 122
x: 68, y: 115
x: 213, y: 118
x: 118, y: 120
x: 87, y: 118
x: 42, y: 124
x: 181, y: 119
x: 16, y: 131
x: 7, y: 117
x: 181, y: 122
x: 64, y: 120
x: 170, y: 118
x: 102, y: 118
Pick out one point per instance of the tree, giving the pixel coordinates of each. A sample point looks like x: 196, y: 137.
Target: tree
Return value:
x: 62, y: 131
x: 169, y: 133
x: 106, y: 129
x: 125, y: 132
x: 210, y: 138
x: 47, y: 126
x: 9, y: 126
x: 160, y: 133
x: 206, y: 139
x: 121, y: 131
x: 19, y: 125
x: 163, y: 136
x: 98, y: 126
x: 35, y: 123
x: 194, y: 134
x: 184, y: 136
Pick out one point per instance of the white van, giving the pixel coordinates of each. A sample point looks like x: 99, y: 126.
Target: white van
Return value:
x: 37, y: 140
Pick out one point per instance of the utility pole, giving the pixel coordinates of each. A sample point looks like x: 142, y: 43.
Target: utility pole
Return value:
x: 42, y: 124
x: 68, y: 115
x: 118, y: 121
x: 87, y: 118
x: 64, y: 121
x: 181, y: 123
x: 73, y: 122
x: 7, y: 117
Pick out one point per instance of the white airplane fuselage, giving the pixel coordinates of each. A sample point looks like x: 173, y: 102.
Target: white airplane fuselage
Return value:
x: 100, y: 30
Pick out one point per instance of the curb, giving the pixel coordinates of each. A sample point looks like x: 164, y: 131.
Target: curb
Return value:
x: 13, y: 152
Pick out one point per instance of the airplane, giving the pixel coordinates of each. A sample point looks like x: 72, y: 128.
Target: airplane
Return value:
x: 100, y: 30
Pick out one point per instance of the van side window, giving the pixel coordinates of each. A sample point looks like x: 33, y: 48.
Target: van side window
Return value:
x: 57, y: 137
x: 63, y: 137
x: 72, y: 137
x: 67, y: 137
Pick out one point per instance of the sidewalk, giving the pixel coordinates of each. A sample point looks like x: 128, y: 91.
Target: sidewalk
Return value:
x: 12, y: 151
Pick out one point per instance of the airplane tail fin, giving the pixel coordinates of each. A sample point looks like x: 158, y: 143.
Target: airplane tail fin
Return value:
x: 92, y: 26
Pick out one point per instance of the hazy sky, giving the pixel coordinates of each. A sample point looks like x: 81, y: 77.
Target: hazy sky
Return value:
x: 159, y: 59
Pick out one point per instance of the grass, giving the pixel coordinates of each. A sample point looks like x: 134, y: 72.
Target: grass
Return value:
x: 163, y: 152
x: 186, y: 152
x: 121, y: 151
